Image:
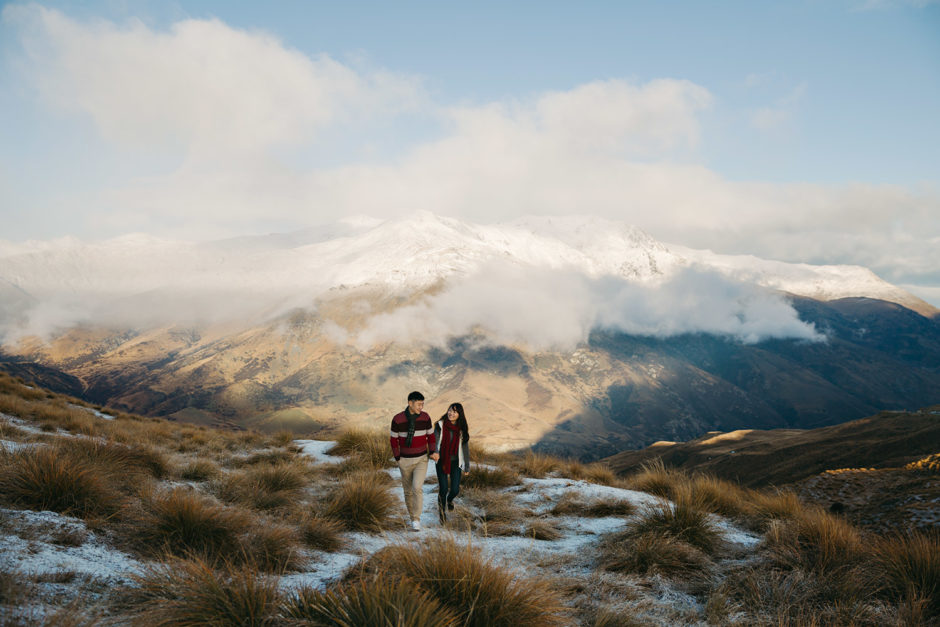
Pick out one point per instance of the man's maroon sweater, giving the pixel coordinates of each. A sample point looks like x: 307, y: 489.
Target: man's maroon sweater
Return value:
x: 422, y: 441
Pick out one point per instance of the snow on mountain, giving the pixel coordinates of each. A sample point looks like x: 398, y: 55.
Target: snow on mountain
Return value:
x: 406, y: 254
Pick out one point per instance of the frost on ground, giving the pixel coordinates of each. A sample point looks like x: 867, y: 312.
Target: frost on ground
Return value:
x: 64, y: 559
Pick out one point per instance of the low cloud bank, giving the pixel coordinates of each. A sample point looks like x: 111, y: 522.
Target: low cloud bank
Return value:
x: 552, y: 309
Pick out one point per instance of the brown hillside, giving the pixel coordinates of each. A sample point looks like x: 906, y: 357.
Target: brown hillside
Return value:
x: 781, y: 456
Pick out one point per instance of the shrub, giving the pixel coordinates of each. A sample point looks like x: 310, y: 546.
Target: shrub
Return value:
x: 47, y: 478
x: 182, y: 522
x: 360, y: 503
x: 909, y: 566
x: 398, y: 603
x: 479, y: 592
x: 191, y: 593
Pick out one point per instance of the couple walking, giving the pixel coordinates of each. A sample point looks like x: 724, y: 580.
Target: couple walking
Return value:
x: 415, y: 440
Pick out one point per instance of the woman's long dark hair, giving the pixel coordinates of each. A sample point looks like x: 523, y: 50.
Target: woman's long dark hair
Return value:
x: 461, y: 420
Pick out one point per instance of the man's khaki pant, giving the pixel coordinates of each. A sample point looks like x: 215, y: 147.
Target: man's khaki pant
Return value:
x: 413, y: 472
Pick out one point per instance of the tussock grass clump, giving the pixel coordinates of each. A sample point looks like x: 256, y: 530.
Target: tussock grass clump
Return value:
x: 909, y: 567
x: 360, y: 504
x: 13, y: 587
x: 594, y: 473
x: 541, y: 530
x: 191, y: 592
x: 815, y: 541
x: 48, y: 478
x: 321, y: 533
x: 479, y: 592
x: 371, y: 446
x: 182, y: 522
x: 766, y: 507
x: 483, y: 454
x: 491, y: 478
x: 538, y: 465
x: 272, y: 547
x: 720, y: 496
x: 200, y: 470
x: 654, y: 478
x: 685, y: 520
x: 398, y: 603
x: 264, y: 487
x: 126, y: 461
x: 571, y: 504
x: 652, y: 553
x: 501, y: 515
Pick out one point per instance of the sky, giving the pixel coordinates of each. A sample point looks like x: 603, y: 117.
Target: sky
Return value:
x: 804, y: 131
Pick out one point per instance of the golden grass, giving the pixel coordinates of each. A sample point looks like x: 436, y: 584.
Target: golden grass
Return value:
x: 684, y: 519
x: 654, y: 478
x: 478, y: 591
x: 370, y: 446
x: 491, y: 478
x: 571, y: 504
x: 541, y: 530
x: 538, y: 465
x: 815, y: 541
x: 43, y: 477
x: 200, y: 470
x: 909, y: 566
x: 379, y: 602
x: 594, y: 473
x: 652, y: 552
x: 190, y: 592
x: 182, y: 522
x: 360, y: 503
x: 319, y: 532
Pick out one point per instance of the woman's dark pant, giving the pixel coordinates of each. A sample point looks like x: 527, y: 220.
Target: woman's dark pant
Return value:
x: 449, y: 485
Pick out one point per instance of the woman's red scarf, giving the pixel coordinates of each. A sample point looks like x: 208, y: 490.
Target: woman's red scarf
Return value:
x: 450, y: 442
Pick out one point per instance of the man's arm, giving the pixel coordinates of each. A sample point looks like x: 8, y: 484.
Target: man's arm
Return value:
x: 394, y: 441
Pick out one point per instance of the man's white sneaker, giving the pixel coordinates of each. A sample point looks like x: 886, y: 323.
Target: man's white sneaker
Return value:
x: 416, y: 525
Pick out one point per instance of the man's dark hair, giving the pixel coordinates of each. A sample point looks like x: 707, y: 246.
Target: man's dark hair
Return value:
x: 415, y: 396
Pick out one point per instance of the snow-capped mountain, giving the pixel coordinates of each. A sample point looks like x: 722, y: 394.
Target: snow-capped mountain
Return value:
x: 400, y: 255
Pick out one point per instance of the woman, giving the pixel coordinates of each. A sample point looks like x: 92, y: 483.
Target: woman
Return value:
x: 451, y: 435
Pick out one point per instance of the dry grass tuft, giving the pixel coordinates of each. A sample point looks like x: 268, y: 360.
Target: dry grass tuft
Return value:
x: 909, y: 567
x: 190, y: 592
x: 370, y: 446
x: 655, y: 478
x: 13, y: 587
x: 571, y: 504
x: 541, y: 530
x: 684, y: 519
x: 479, y: 592
x: 360, y: 503
x: 652, y: 553
x: 398, y: 603
x: 273, y: 547
x: 815, y: 541
x: 491, y: 478
x: 538, y: 465
x: 48, y: 478
x: 182, y: 522
x: 263, y: 487
x: 597, y: 473
x: 767, y: 506
x: 720, y: 496
x: 200, y: 470
x: 321, y: 533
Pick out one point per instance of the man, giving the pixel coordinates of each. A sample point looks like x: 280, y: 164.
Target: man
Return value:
x: 412, y: 441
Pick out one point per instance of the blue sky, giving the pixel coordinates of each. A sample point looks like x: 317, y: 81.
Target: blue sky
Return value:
x: 804, y: 130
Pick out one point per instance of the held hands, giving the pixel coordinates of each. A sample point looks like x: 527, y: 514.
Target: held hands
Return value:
x: 435, y: 457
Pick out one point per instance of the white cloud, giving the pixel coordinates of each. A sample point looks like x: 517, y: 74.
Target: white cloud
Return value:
x: 558, y: 309
x: 781, y: 113
x: 212, y: 89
